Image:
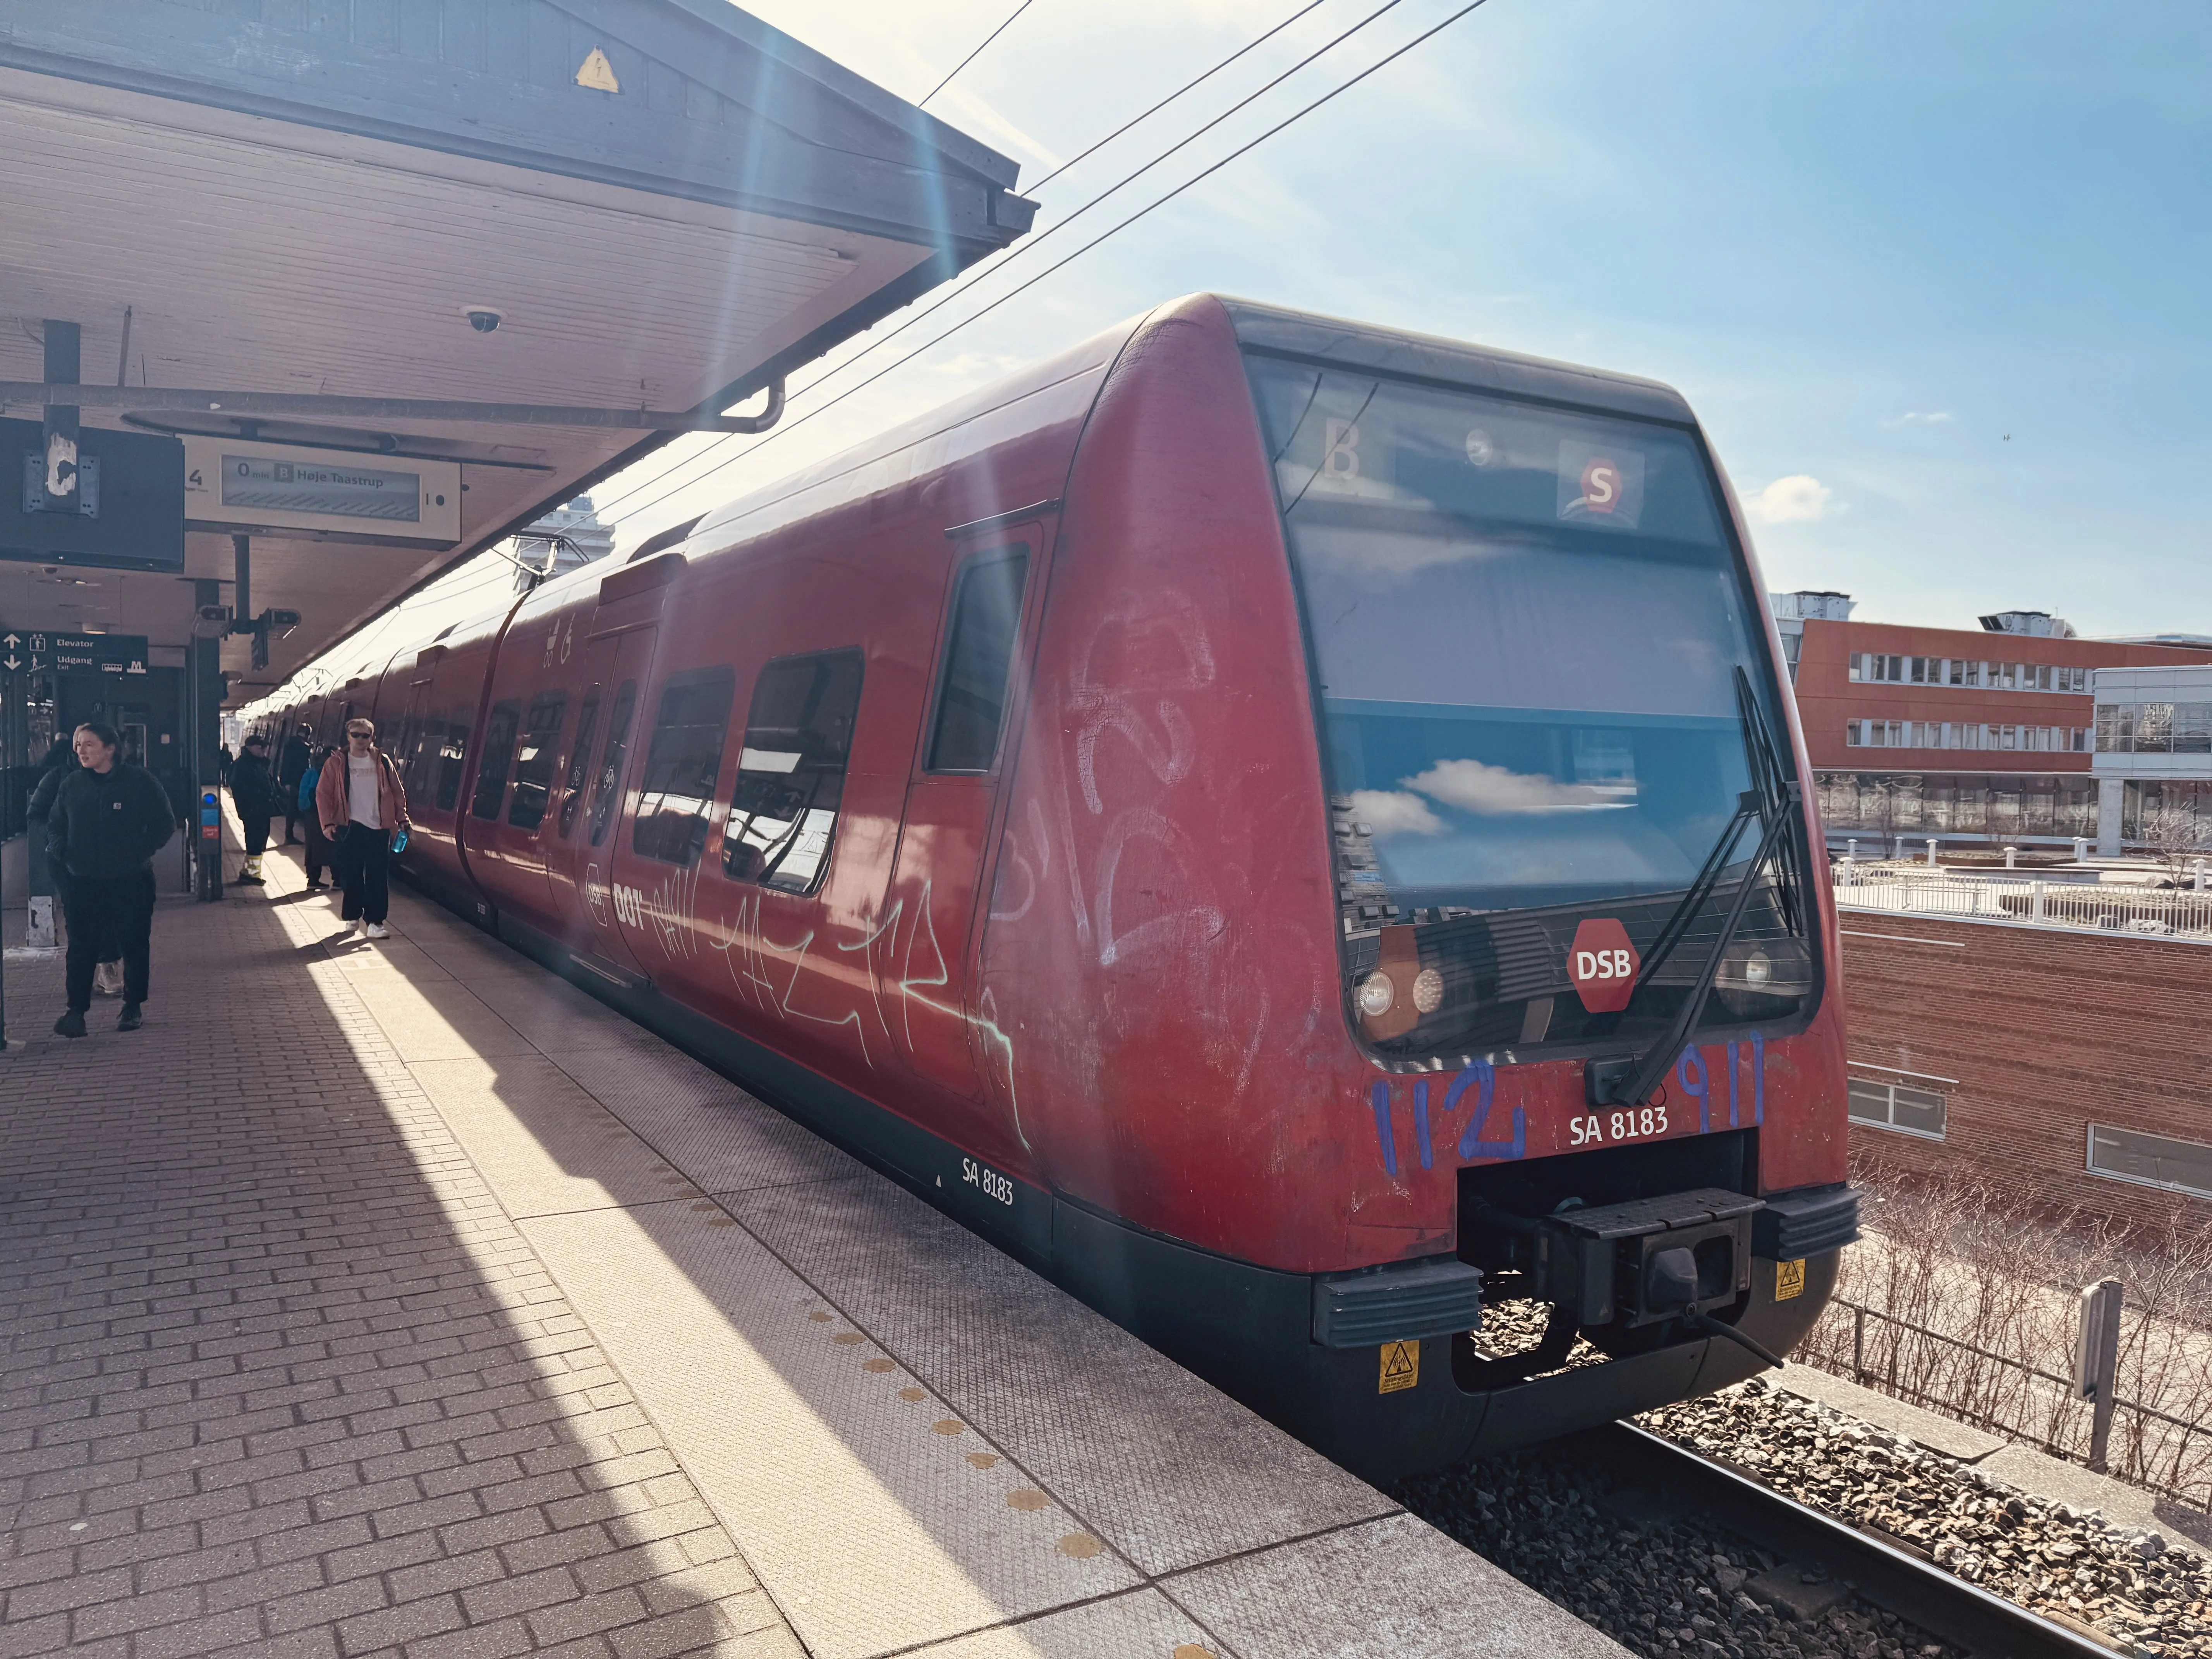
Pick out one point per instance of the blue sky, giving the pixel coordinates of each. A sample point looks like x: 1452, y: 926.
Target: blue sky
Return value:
x: 1867, y: 242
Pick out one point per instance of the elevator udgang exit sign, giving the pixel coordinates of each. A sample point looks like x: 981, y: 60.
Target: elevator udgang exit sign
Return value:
x: 235, y: 484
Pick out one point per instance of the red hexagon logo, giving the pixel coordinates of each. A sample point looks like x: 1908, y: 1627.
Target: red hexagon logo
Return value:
x: 1602, y: 964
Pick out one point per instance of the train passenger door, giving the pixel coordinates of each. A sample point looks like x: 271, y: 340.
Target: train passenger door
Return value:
x: 928, y: 975
x: 583, y: 823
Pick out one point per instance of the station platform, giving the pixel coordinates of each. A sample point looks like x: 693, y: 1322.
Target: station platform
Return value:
x: 399, y: 1299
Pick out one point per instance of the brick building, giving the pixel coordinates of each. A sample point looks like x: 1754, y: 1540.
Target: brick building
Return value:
x: 1968, y: 736
x: 2070, y: 1065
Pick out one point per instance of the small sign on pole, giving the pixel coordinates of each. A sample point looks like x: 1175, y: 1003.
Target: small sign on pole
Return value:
x: 2097, y: 1362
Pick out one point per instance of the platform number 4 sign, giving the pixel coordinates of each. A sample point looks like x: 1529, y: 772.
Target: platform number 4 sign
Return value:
x: 1402, y: 1366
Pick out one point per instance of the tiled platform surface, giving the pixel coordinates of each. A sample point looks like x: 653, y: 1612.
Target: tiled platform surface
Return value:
x: 399, y: 1299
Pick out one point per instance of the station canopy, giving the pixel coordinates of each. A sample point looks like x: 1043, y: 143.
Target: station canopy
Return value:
x: 661, y: 206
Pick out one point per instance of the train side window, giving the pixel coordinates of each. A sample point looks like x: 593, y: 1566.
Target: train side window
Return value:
x: 452, y: 755
x: 534, y: 761
x: 605, y: 791
x: 677, y: 790
x: 971, y: 693
x: 580, y: 761
x: 791, y: 772
x: 498, y: 755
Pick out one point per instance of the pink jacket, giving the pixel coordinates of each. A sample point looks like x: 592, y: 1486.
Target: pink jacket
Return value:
x: 334, y: 806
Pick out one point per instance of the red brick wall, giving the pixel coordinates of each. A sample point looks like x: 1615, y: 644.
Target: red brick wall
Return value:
x: 1828, y: 696
x: 2046, y: 1030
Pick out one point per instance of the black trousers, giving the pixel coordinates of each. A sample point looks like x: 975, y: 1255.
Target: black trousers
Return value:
x: 292, y: 814
x: 256, y: 825
x: 320, y: 856
x: 364, y: 867
x: 115, y: 915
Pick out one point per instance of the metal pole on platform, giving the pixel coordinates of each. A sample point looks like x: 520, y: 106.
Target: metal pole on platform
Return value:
x: 2097, y: 1362
x: 203, y: 694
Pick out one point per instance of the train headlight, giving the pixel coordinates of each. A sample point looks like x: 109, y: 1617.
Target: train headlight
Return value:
x: 1428, y: 991
x: 1378, y: 994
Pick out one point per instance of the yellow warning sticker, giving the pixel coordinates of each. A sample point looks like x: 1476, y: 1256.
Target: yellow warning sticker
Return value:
x: 597, y: 73
x: 1789, y: 1278
x: 1402, y: 1366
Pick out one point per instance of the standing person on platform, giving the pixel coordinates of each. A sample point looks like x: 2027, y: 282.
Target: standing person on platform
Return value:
x: 360, y: 802
x: 109, y: 820
x: 253, y: 792
x: 292, y: 766
x: 320, y: 855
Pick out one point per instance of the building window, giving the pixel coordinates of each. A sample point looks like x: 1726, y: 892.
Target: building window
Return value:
x: 1907, y: 1109
x: 2179, y: 1166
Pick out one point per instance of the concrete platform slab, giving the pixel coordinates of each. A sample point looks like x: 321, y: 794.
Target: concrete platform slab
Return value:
x: 1171, y: 1472
x: 1393, y: 1586
x: 1140, y: 1622
x: 878, y: 1516
x: 544, y: 1143
x: 1930, y: 1429
x: 718, y: 1135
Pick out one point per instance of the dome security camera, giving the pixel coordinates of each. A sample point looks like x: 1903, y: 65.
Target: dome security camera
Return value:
x: 482, y: 319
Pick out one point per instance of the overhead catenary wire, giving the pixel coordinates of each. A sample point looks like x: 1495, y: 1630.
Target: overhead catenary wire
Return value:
x: 1190, y: 85
x: 1243, y: 150
x: 978, y: 52
x: 982, y: 273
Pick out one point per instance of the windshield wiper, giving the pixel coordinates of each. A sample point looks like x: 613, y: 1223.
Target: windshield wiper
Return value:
x: 1776, y: 802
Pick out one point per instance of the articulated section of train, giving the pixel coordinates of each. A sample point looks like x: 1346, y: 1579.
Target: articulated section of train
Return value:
x: 1293, y: 829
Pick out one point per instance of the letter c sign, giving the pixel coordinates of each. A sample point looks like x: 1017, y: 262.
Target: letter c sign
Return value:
x: 1602, y: 965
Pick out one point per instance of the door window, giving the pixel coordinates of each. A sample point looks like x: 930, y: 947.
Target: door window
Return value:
x: 452, y: 755
x: 791, y: 774
x: 681, y: 763
x: 971, y: 696
x: 580, y: 761
x: 498, y: 755
x: 534, y: 761
x: 605, y: 791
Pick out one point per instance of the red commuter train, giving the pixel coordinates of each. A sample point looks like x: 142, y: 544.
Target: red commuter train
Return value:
x: 1293, y: 829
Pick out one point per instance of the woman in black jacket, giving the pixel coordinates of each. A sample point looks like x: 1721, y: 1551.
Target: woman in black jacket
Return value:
x: 109, y: 819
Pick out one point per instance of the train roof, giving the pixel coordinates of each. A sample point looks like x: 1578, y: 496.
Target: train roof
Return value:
x: 1338, y: 343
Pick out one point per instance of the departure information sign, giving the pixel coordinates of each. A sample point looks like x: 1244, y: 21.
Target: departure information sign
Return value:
x: 248, y: 485
x: 351, y: 492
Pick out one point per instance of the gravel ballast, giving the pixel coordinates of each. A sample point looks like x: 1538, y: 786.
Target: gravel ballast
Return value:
x: 1663, y: 1582
x: 2033, y: 1551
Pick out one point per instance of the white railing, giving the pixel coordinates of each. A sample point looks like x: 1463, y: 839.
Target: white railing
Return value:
x: 2105, y: 907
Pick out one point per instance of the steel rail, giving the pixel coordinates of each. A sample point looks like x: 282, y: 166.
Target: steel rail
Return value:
x: 1938, y: 1601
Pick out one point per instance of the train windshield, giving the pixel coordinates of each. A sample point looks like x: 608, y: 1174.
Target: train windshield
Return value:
x: 1526, y: 627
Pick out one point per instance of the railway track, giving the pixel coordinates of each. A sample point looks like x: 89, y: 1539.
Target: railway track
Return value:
x: 1892, y: 1574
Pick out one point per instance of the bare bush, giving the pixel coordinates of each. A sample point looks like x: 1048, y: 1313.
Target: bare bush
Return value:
x: 1970, y: 1309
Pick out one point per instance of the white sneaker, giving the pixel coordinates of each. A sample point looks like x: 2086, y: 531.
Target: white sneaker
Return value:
x: 377, y: 930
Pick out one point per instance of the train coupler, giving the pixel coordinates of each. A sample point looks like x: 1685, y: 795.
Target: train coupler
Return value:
x: 1640, y: 1262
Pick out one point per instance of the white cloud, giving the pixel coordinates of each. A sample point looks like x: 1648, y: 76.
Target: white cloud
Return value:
x: 1793, y: 500
x: 1387, y: 812
x: 1918, y: 417
x: 1473, y: 786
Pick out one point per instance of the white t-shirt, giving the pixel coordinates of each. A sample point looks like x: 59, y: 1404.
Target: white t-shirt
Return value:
x: 360, y: 790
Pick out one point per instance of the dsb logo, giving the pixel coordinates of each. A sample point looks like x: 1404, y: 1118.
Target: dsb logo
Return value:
x: 1602, y: 965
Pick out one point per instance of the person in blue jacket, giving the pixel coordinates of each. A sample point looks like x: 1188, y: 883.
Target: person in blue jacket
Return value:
x: 321, y: 853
